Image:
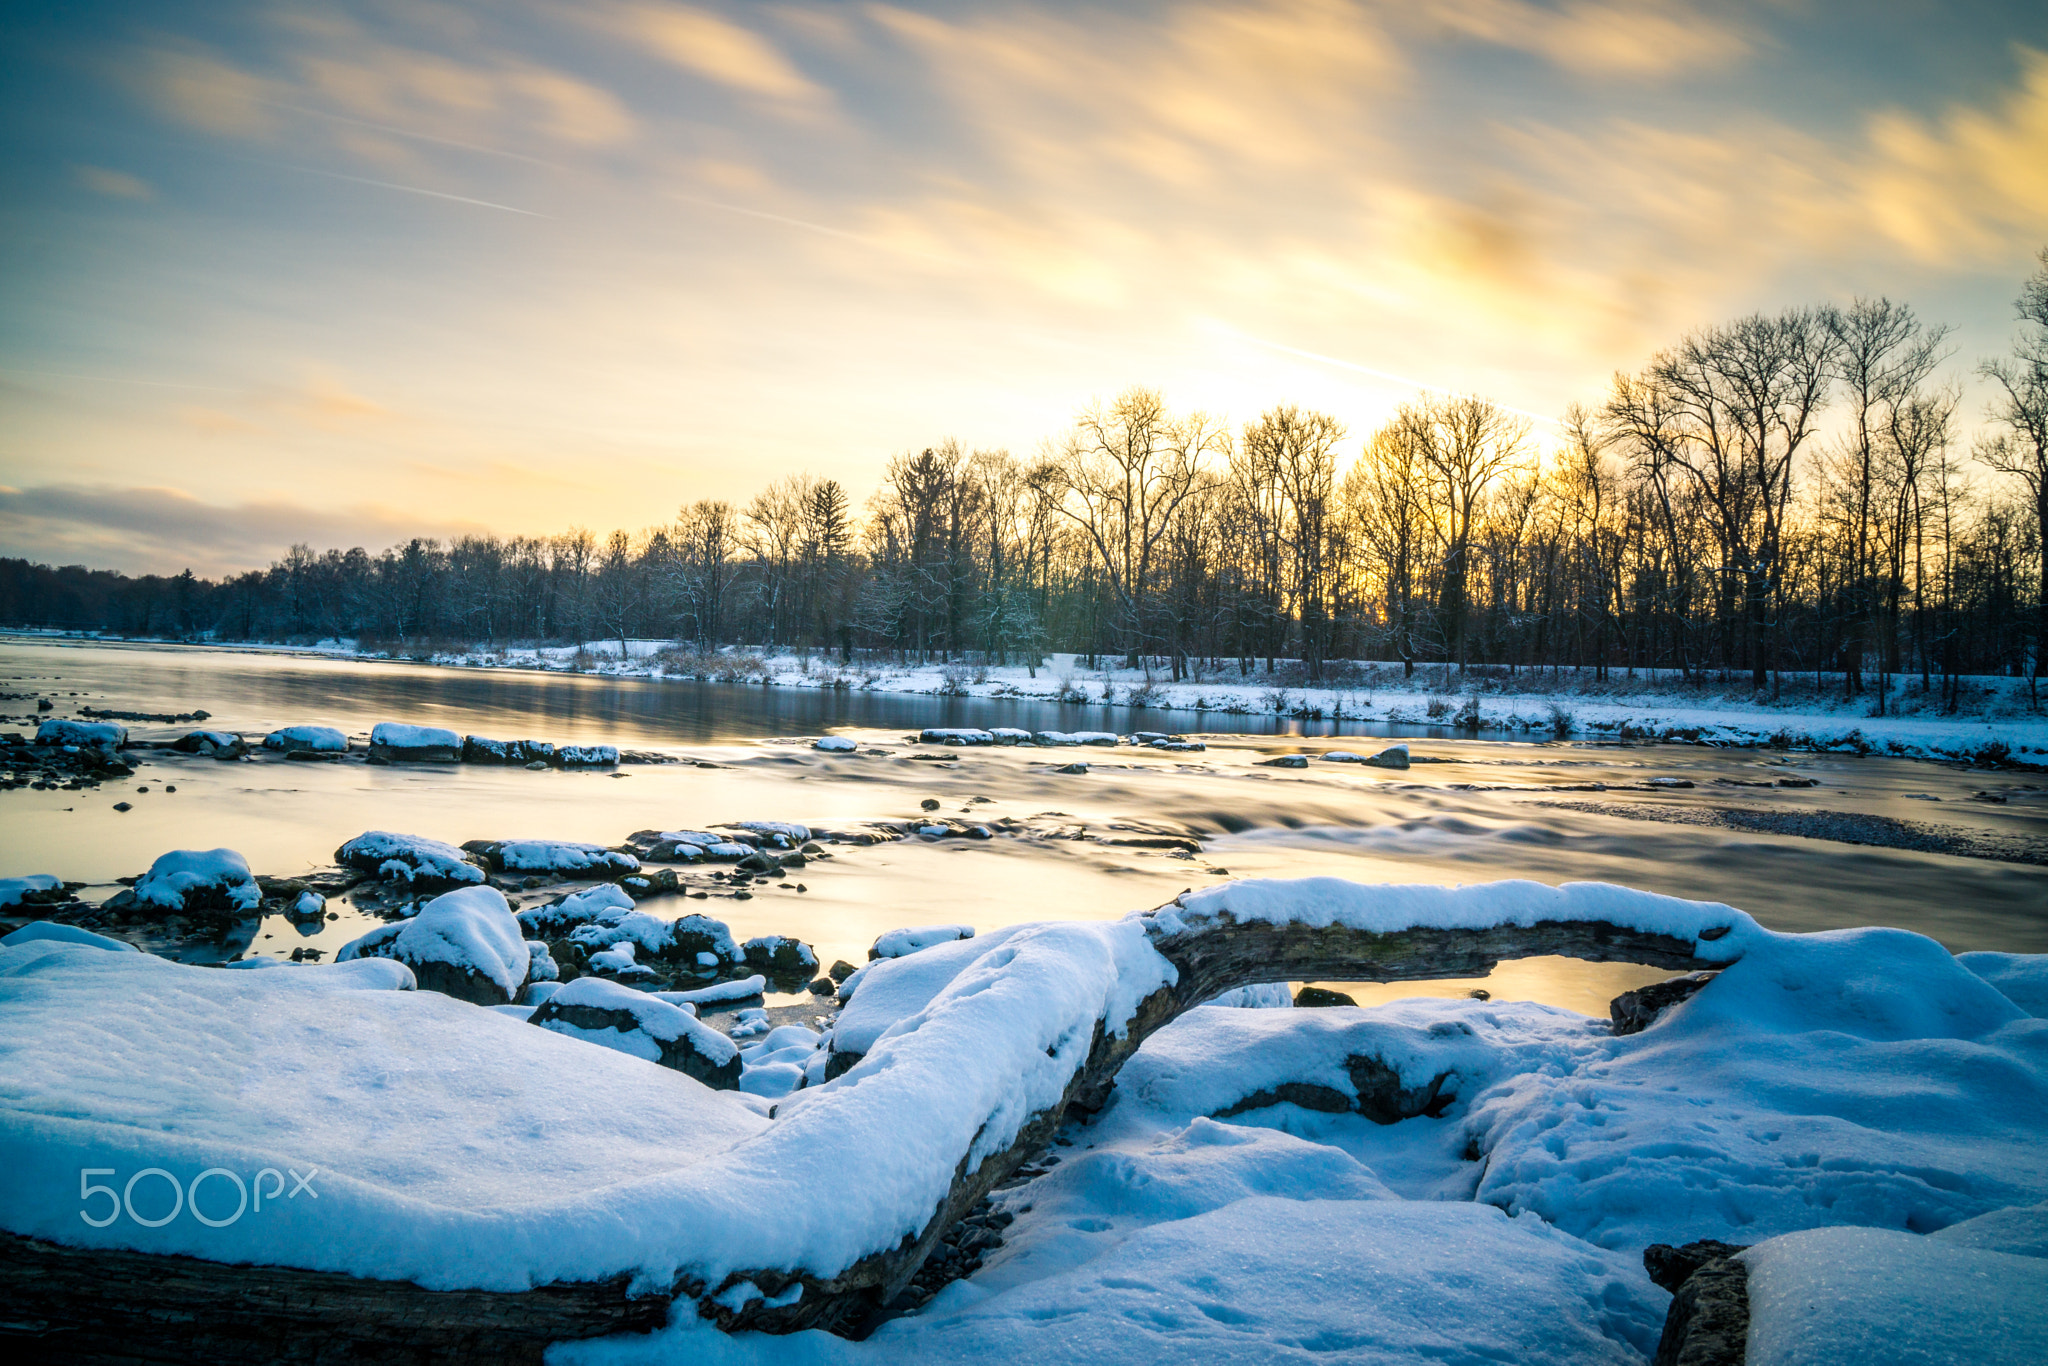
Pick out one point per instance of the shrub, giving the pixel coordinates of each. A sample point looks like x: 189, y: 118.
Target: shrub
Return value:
x: 1562, y: 722
x: 1468, y: 714
x: 1437, y: 708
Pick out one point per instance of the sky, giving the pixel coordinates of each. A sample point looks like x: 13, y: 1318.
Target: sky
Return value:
x: 356, y: 271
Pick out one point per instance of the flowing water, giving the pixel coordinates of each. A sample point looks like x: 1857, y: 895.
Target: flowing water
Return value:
x: 1492, y: 807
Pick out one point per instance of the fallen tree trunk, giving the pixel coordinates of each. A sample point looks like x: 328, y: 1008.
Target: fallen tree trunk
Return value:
x: 86, y: 1305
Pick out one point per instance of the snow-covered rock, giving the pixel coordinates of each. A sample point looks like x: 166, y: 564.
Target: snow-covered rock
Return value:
x: 635, y: 1022
x: 558, y: 856
x: 412, y: 859
x: 214, y: 744
x: 1104, y: 738
x: 34, y: 889
x: 836, y: 744
x: 1393, y: 756
x: 954, y: 735
x: 780, y: 956
x: 1010, y: 735
x: 392, y: 742
x: 315, y: 739
x: 51, y: 931
x: 463, y: 943
x: 781, y: 834
x: 578, y: 908
x: 587, y: 756
x: 86, y: 734
x: 200, y: 879
x: 481, y: 749
x: 720, y: 993
x: 898, y: 943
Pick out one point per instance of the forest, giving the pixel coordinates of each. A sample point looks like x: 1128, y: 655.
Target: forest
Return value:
x: 1781, y: 493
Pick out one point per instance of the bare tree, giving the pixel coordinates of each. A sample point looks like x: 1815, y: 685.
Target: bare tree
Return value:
x: 1466, y: 444
x: 2021, y: 451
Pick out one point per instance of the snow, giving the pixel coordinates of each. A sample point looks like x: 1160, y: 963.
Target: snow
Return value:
x: 59, y: 732
x: 14, y: 889
x: 319, y: 739
x: 836, y: 744
x: 393, y: 735
x: 309, y: 904
x: 588, y: 756
x: 2021, y: 978
x: 211, y: 873
x: 740, y: 990
x: 51, y: 931
x: 409, y: 858
x: 898, y: 943
x: 470, y: 928
x: 1850, y: 1078
x: 1833, y: 1295
x: 558, y: 856
x: 1010, y: 735
x: 1385, y: 908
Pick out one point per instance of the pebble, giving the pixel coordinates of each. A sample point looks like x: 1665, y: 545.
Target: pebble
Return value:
x: 123, y: 806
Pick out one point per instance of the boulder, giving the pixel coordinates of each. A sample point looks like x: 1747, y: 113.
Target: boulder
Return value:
x: 1314, y: 997
x: 463, y: 943
x: 554, y: 856
x: 480, y: 749
x: 36, y: 889
x: 836, y: 744
x: 1072, y: 769
x: 954, y: 735
x: 1285, y: 761
x: 307, y: 739
x: 412, y: 859
x: 1634, y: 1011
x: 84, y: 734
x: 391, y: 743
x: 780, y: 957
x: 704, y: 944
x: 214, y: 744
x: 634, y: 1022
x: 588, y: 756
x: 187, y: 880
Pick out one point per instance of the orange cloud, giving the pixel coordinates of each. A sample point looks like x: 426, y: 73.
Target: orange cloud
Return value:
x: 715, y: 48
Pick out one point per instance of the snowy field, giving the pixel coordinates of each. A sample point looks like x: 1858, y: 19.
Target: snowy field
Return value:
x: 1861, y: 1108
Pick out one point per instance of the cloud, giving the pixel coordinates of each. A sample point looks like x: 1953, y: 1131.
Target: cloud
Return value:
x: 165, y: 530
x: 715, y: 48
x: 113, y: 184
x: 1633, y: 38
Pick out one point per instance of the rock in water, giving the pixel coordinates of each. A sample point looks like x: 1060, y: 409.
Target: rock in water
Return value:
x: 412, y: 859
x: 190, y: 880
x: 312, y: 739
x: 1312, y: 997
x: 1393, y: 756
x: 634, y: 1022
x: 780, y: 957
x: 1285, y: 761
x: 391, y: 742
x: 1634, y: 1011
x: 464, y: 944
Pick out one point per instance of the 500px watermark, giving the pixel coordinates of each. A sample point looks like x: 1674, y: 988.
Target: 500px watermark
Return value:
x: 186, y: 1197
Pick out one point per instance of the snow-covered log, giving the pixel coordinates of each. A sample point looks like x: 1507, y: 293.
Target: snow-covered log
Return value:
x: 955, y: 1065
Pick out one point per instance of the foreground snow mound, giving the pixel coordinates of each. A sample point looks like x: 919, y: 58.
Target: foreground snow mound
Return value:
x: 200, y: 879
x: 1259, y: 1280
x: 51, y: 931
x: 1857, y: 1076
x: 412, y: 859
x: 464, y: 943
x: 447, y: 1139
x: 1863, y: 1294
x: 2021, y: 978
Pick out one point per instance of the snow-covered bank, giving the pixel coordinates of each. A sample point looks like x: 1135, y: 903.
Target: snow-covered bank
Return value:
x: 1237, y: 1198
x: 1998, y: 722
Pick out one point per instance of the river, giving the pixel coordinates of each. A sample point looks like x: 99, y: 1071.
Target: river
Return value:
x: 1489, y: 807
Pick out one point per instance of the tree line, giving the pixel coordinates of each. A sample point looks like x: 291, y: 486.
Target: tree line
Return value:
x: 1779, y: 494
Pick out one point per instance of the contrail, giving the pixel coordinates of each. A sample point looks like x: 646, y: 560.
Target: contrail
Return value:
x: 116, y: 379
x: 408, y: 189
x: 1376, y: 374
x: 810, y: 227
x: 409, y: 133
